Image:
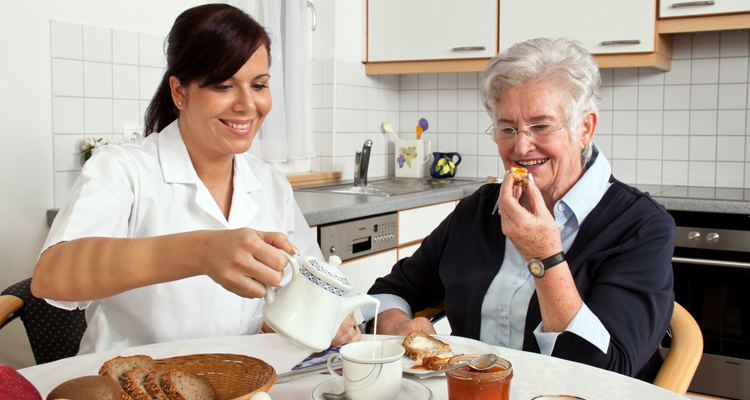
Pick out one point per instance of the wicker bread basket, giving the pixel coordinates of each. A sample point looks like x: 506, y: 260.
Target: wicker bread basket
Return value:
x: 233, y: 376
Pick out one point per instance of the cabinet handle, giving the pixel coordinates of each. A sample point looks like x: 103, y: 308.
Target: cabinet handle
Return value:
x: 468, y: 48
x: 311, y: 6
x: 692, y: 4
x: 717, y: 263
x: 611, y: 42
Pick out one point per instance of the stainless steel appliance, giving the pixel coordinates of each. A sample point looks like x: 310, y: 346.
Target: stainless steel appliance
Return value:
x: 355, y: 238
x: 711, y: 266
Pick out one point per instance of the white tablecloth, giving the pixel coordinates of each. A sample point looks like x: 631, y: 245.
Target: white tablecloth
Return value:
x: 533, y: 374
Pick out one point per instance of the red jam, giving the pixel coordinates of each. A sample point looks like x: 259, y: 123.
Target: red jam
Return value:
x: 466, y: 383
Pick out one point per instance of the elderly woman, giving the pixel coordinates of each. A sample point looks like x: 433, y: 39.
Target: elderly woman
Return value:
x: 175, y: 236
x: 577, y: 265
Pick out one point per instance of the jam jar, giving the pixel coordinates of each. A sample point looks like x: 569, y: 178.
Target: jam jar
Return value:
x: 466, y: 383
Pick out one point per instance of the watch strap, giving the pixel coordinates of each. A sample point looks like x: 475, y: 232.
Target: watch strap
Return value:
x: 554, y: 260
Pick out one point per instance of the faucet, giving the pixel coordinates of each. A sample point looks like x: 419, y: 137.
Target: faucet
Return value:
x: 361, y: 162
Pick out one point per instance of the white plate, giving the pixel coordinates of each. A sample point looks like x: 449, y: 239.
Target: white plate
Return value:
x: 459, y: 345
x: 410, y: 390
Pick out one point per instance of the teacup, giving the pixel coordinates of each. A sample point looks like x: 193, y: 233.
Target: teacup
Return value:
x: 372, y: 370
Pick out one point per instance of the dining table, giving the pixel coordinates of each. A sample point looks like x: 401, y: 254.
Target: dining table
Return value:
x: 533, y: 374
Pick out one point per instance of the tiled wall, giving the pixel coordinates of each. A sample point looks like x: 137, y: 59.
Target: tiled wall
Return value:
x: 102, y: 79
x: 688, y: 126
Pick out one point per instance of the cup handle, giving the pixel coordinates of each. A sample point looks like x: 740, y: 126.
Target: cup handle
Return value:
x: 333, y: 371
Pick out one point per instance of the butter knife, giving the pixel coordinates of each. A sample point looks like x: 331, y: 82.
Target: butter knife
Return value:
x: 288, y: 376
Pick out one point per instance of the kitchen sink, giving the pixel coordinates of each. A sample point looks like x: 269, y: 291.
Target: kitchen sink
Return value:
x: 390, y: 186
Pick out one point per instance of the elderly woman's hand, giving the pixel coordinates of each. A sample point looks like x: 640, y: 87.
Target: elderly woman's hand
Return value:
x: 526, y: 220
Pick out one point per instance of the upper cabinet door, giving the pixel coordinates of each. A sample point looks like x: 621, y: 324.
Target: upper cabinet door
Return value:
x: 602, y: 26
x: 686, y: 8
x: 401, y: 30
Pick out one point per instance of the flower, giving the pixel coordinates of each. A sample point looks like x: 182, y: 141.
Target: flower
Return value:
x: 91, y: 143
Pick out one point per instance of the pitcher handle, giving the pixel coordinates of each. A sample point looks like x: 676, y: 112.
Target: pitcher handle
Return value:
x: 270, y: 293
x: 459, y: 158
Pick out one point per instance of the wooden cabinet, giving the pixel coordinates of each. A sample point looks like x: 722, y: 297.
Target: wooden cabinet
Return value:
x: 683, y: 8
x: 420, y: 35
x: 363, y: 272
x: 416, y: 223
x: 678, y: 16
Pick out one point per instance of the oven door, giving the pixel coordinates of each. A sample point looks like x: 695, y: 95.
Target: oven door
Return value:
x: 713, y: 286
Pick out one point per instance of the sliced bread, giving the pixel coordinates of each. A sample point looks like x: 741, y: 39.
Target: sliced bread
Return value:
x: 419, y: 344
x: 133, y: 383
x: 181, y: 385
x: 118, y: 366
x: 152, y: 384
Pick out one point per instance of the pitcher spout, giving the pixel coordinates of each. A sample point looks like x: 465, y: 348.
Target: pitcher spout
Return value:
x: 350, y: 305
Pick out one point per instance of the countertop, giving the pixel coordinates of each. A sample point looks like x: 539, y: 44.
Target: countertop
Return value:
x: 324, y: 208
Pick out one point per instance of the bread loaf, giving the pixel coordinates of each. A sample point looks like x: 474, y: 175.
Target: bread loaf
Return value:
x: 92, y: 387
x: 118, y: 366
x: 133, y: 383
x: 181, y: 385
x: 419, y: 344
x: 152, y: 384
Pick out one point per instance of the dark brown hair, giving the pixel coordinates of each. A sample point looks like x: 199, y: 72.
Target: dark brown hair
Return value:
x: 207, y: 44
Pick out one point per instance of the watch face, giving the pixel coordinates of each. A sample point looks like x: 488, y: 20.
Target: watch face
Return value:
x: 536, y: 268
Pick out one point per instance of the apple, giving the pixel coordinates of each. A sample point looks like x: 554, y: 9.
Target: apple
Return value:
x: 14, y: 386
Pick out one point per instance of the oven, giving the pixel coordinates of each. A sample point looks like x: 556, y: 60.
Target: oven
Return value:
x: 711, y: 266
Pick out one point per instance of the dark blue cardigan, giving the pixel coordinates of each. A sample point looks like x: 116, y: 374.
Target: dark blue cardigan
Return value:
x: 620, y: 261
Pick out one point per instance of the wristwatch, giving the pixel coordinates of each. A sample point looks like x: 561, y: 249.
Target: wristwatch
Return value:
x: 539, y: 267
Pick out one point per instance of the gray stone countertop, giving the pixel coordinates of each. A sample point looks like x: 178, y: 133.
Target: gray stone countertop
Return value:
x: 324, y: 208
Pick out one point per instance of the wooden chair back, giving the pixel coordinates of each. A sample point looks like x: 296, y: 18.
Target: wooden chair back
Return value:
x: 684, y: 353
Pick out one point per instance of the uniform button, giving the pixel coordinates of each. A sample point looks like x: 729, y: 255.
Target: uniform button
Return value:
x: 561, y: 207
x: 503, y: 314
x: 517, y: 281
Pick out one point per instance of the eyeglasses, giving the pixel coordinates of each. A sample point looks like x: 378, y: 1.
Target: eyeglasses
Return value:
x: 506, y: 135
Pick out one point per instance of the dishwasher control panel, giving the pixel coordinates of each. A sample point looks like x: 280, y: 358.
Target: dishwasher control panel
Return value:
x: 359, y: 237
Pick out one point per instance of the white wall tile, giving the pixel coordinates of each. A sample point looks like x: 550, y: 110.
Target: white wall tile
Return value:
x: 679, y: 73
x: 67, y: 40
x: 625, y: 76
x: 124, y: 47
x: 447, y: 99
x: 447, y: 142
x: 608, y: 76
x: 625, y: 98
x: 394, y: 100
x: 734, y: 43
x: 125, y: 82
x: 67, y: 152
x: 142, y: 107
x: 468, y: 167
x: 383, y: 100
x: 649, y: 147
x: 704, y: 97
x: 360, y: 121
x: 360, y: 97
x: 674, y: 173
x: 125, y: 112
x: 625, y: 122
x: 427, y: 100
x: 315, y: 73
x: 624, y: 170
x: 347, y: 117
x: 730, y: 148
x: 648, y: 172
x: 604, y: 143
x: 98, y: 116
x: 624, y: 147
x: 447, y: 121
x: 675, y: 148
x: 677, y: 97
x: 706, y: 44
x: 650, y: 97
x: 315, y: 96
x: 650, y: 76
x: 607, y: 94
x: 605, y: 123
x: 345, y: 96
x: 67, y: 77
x: 729, y: 174
x: 409, y: 100
x: 702, y: 148
x: 466, y: 122
x: 676, y: 122
x: 467, y: 143
x: 747, y: 175
x: 705, y: 71
x: 407, y: 124
x: 448, y: 80
x: 428, y: 81
x: 488, y: 166
x: 151, y: 50
x: 409, y: 81
x: 732, y: 96
x: 63, y: 183
x: 348, y: 70
x: 149, y: 79
x: 315, y: 118
x: 327, y: 72
x: 97, y: 79
x: 467, y: 80
x: 701, y: 173
x: 650, y: 122
x: 731, y: 122
x: 703, y: 122
x: 733, y: 70
x: 372, y: 98
x: 67, y: 115
x: 468, y: 100
x: 682, y: 46
x: 97, y: 44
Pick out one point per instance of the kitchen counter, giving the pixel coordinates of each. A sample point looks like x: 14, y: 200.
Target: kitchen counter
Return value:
x: 323, y: 208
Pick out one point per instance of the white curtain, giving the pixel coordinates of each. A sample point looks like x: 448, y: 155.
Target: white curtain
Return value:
x: 285, y: 133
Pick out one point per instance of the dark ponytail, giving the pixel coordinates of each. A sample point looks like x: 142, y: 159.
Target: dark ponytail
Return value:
x: 207, y: 44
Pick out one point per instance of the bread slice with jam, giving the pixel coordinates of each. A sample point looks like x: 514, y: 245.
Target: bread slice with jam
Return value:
x: 418, y: 345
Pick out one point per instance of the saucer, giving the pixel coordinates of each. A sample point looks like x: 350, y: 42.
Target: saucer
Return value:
x: 410, y: 390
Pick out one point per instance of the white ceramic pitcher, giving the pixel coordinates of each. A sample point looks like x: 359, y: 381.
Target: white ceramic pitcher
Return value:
x: 312, y: 306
